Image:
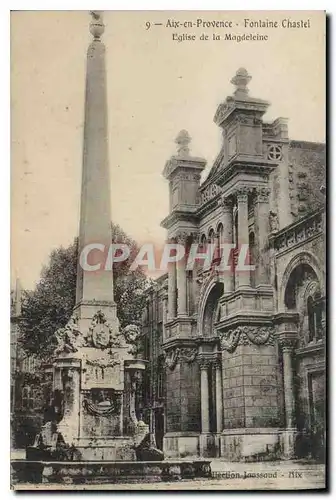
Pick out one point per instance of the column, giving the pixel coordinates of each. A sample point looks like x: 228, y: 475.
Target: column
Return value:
x: 261, y: 239
x: 227, y: 219
x: 205, y: 423
x: 288, y: 385
x: 171, y: 291
x: 242, y: 275
x: 164, y: 316
x: 287, y: 342
x: 219, y: 401
x: 181, y: 281
x: 133, y: 387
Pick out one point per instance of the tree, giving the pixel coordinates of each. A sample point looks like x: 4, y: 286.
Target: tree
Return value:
x: 50, y: 305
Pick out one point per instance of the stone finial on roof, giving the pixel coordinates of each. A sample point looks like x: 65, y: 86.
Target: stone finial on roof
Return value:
x: 183, y: 140
x: 241, y: 80
x: 97, y: 26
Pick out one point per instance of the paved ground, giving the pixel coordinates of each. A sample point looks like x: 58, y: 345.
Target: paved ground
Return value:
x: 291, y: 475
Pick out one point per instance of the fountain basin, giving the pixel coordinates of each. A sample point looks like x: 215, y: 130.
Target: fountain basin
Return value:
x: 107, y: 472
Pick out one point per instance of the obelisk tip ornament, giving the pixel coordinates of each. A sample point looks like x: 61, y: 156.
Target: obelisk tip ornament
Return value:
x: 97, y: 26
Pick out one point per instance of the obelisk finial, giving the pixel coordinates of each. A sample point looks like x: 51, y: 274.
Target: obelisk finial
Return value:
x: 97, y: 26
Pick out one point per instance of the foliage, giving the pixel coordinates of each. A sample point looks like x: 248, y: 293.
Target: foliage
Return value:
x: 50, y: 305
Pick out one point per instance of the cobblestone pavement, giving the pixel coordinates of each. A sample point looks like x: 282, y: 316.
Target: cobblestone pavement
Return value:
x: 291, y: 475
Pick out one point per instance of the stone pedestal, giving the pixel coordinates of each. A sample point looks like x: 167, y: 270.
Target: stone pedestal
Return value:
x: 251, y: 444
x: 288, y: 443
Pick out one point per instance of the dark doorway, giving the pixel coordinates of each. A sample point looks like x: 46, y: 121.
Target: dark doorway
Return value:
x: 159, y: 427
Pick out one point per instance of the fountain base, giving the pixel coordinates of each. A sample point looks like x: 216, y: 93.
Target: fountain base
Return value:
x: 106, y: 472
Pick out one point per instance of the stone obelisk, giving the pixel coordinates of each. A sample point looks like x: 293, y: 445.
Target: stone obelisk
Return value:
x: 94, y: 289
x: 94, y: 366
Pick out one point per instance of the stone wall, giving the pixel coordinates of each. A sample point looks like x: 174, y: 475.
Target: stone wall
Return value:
x: 307, y: 164
x: 251, y: 381
x: 183, y: 398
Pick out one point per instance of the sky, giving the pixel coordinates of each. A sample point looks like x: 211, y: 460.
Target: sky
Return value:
x: 156, y: 87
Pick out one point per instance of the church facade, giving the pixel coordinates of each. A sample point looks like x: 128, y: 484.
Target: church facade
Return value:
x: 236, y: 359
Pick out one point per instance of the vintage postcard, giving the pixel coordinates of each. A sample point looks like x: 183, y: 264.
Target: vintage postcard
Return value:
x: 168, y: 220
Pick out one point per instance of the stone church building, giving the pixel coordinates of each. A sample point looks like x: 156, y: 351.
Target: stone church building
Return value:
x: 237, y: 359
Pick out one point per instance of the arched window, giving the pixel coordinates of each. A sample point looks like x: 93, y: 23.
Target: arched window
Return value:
x: 318, y: 315
x: 212, y: 236
x: 219, y: 242
x: 311, y: 319
x: 212, y: 241
x: 203, y: 242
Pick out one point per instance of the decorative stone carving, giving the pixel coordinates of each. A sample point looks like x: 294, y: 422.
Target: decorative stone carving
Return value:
x: 101, y: 334
x: 96, y: 26
x: 171, y: 358
x: 210, y: 192
x: 182, y: 237
x: 230, y: 339
x: 273, y: 221
x: 103, y: 362
x: 226, y: 203
x: 183, y: 140
x: 102, y: 403
x: 242, y: 194
x: 243, y: 335
x: 187, y: 354
x: 303, y: 230
x: 274, y: 152
x: 262, y: 194
x: 287, y: 340
x: 204, y: 363
x: 258, y: 335
x: 240, y: 81
x: 131, y: 334
x: 222, y: 110
x: 68, y: 339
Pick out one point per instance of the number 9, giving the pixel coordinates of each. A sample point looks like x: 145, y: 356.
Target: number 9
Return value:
x: 147, y: 25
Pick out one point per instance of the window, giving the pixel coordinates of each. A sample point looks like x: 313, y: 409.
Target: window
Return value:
x: 311, y: 322
x: 318, y: 315
x: 274, y: 152
x: 27, y: 398
x: 29, y: 364
x: 314, y: 311
x: 160, y: 378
